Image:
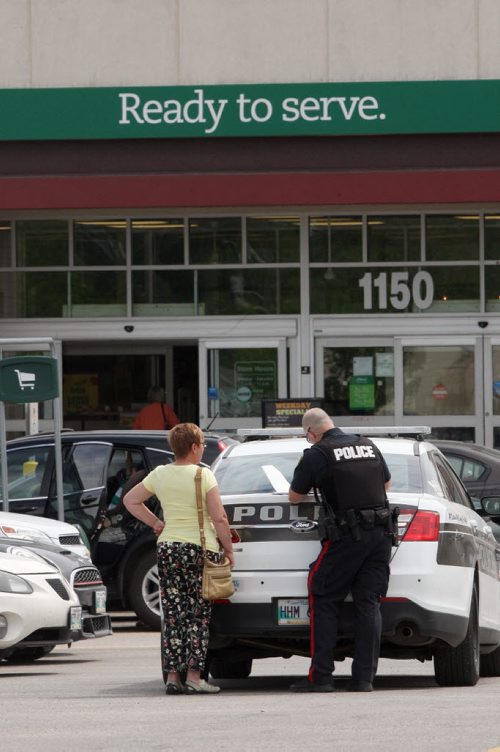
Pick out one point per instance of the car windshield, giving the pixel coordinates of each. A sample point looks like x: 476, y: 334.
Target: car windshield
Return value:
x: 268, y: 473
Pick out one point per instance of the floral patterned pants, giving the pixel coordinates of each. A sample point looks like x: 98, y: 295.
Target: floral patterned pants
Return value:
x: 186, y: 615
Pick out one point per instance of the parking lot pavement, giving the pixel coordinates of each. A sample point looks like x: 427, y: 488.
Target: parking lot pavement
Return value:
x: 108, y: 693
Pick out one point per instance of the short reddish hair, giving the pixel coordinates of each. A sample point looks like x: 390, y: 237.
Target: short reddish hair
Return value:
x: 182, y: 436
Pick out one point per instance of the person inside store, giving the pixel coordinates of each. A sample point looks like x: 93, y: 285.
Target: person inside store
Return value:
x: 350, y: 478
x: 157, y: 414
x: 186, y: 615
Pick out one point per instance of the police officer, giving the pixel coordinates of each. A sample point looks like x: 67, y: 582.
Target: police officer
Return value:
x: 352, y: 477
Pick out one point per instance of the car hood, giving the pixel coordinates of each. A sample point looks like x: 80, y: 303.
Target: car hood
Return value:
x: 53, y: 528
x: 65, y: 560
x: 17, y: 565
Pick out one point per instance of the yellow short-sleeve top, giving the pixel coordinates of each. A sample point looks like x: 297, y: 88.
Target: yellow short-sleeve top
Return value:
x: 175, y: 489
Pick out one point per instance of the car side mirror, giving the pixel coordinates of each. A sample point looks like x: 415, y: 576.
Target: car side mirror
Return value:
x: 491, y: 505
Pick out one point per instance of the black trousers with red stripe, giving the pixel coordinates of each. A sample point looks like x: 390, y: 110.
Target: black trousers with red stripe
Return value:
x: 362, y: 568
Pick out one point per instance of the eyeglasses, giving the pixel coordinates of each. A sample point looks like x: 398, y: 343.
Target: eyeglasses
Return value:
x: 308, y: 430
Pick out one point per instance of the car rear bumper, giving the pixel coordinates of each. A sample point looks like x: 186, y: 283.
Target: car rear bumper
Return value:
x: 404, y: 624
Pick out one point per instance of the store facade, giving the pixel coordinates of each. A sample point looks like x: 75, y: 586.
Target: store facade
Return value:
x: 237, y: 243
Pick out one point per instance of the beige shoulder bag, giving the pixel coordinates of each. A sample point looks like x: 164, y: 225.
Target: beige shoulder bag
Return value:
x: 217, y: 582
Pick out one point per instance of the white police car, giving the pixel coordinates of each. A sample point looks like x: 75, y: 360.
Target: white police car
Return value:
x: 443, y: 602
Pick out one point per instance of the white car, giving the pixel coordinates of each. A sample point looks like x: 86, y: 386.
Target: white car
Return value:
x: 44, y: 530
x: 443, y: 602
x: 38, y: 607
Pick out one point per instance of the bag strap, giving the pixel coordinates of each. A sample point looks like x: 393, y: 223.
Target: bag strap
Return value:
x: 197, y: 482
x: 166, y: 424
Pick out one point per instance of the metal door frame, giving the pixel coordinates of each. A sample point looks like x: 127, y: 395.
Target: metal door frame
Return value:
x: 481, y: 366
x: 360, y: 341
x: 491, y: 421
x: 204, y: 345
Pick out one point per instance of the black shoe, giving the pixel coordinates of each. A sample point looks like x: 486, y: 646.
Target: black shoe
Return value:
x: 174, y: 688
x: 359, y: 686
x: 304, y: 685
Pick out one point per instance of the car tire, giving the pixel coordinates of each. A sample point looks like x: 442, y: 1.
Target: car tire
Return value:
x: 28, y: 655
x: 230, y: 669
x: 459, y: 667
x: 144, y: 590
x: 490, y: 663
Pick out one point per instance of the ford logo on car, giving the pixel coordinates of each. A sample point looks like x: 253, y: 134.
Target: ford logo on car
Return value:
x: 303, y: 526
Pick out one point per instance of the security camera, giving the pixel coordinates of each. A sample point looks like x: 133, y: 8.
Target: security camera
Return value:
x: 482, y: 324
x: 129, y: 328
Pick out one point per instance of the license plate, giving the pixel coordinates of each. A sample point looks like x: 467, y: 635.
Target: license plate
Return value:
x: 75, y: 618
x: 99, y: 601
x: 292, y: 612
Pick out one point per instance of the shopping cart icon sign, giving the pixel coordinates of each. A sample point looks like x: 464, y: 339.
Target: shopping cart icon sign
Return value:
x: 26, y: 380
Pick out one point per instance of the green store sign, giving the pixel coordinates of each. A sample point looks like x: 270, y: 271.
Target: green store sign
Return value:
x: 317, y: 109
x: 28, y: 378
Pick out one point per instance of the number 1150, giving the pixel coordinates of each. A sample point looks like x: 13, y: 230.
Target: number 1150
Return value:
x: 396, y: 290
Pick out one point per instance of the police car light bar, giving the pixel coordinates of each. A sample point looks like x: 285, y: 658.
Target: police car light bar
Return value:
x: 360, y: 430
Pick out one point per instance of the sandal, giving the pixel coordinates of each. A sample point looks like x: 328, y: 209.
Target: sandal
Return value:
x: 202, y: 687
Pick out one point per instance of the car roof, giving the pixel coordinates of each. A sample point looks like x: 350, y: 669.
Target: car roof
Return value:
x: 140, y: 436
x: 463, y: 447
x: 294, y: 445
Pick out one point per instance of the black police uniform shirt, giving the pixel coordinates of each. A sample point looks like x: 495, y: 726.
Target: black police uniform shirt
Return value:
x: 357, y: 481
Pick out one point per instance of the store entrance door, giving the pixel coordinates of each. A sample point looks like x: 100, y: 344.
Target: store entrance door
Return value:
x: 105, y: 386
x: 410, y: 381
x: 235, y: 376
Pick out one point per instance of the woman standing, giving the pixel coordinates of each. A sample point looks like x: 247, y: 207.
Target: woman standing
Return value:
x: 186, y: 614
x: 158, y: 414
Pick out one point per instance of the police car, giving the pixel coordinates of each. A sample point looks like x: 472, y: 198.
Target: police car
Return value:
x: 443, y: 602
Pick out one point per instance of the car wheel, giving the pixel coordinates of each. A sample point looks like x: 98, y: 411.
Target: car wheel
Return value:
x: 144, y: 590
x: 459, y: 667
x: 28, y: 655
x: 230, y: 669
x: 490, y: 663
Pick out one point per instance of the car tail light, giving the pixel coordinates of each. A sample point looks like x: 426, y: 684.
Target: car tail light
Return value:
x: 222, y: 444
x: 423, y: 526
x: 235, y: 538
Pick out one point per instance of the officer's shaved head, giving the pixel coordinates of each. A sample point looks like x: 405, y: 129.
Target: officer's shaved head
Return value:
x: 317, y: 420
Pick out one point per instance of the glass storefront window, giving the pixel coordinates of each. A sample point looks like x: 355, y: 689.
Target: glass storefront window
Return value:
x: 438, y: 380
x: 492, y: 287
x: 359, y: 380
x: 393, y: 238
x: 100, y: 242
x: 492, y: 236
x: 33, y: 294
x: 5, y: 243
x: 98, y: 294
x: 41, y: 242
x: 215, y: 240
x: 249, y: 291
x: 164, y: 293
x: 273, y: 239
x: 335, y: 239
x: 158, y: 241
x: 455, y: 289
x: 452, y: 237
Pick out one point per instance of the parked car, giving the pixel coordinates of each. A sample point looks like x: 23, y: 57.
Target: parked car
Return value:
x: 443, y: 602
x: 38, y: 607
x: 96, y: 465
x: 83, y: 577
x: 479, y: 469
x: 44, y: 530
